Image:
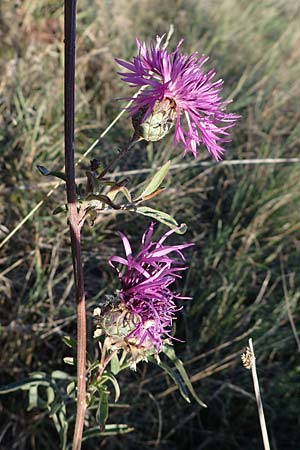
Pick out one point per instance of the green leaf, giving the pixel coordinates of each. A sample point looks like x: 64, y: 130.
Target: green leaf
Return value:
x: 32, y: 397
x: 174, y: 376
x: 60, y: 375
x: 160, y: 216
x: 156, y: 181
x: 101, y: 198
x: 24, y: 385
x: 170, y: 353
x: 50, y: 395
x: 93, y: 366
x: 113, y: 380
x: 102, y: 410
x: 60, y: 209
x: 55, y: 407
x: 110, y: 430
x: 115, y: 365
x: 149, y: 197
x: 70, y: 342
x: 119, y: 188
x: 64, y: 426
x: 46, y: 173
x: 71, y: 387
x: 56, y: 422
x: 69, y: 360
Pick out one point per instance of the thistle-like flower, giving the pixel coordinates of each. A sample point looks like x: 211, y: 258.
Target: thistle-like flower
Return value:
x: 177, y: 90
x: 144, y: 310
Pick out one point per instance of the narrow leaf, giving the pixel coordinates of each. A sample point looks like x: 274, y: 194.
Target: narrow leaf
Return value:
x: 174, y: 376
x: 103, y: 199
x: 115, y: 365
x: 32, y: 397
x: 24, y: 385
x: 71, y: 387
x: 160, y: 216
x: 70, y: 342
x: 170, y: 353
x: 69, y: 360
x: 50, y: 395
x: 114, y: 382
x: 46, y: 173
x: 119, y: 188
x: 60, y: 209
x: 110, y: 430
x: 102, y: 410
x: 156, y: 180
x: 150, y: 196
x: 60, y: 375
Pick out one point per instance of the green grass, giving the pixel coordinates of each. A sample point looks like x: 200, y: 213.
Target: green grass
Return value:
x: 243, y: 219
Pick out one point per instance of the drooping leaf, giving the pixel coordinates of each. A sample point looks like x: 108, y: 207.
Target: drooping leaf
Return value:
x: 174, y: 376
x: 156, y: 181
x: 110, y: 430
x: 113, y: 380
x: 24, y: 385
x: 46, y: 173
x: 102, y: 410
x: 170, y: 353
x: 90, y: 213
x: 160, y: 216
x: 60, y: 375
x: 103, y: 199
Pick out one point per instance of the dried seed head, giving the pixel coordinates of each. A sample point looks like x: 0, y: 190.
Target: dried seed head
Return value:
x: 247, y: 358
x: 158, y: 124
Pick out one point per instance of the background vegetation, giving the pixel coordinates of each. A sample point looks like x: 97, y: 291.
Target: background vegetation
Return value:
x: 244, y: 219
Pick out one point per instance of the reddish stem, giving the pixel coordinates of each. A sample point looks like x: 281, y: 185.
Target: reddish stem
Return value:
x: 70, y: 33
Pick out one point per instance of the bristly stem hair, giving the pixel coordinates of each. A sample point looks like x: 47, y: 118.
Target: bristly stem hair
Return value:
x: 70, y: 34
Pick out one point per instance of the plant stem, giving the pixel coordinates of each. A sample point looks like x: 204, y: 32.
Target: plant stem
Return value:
x: 121, y: 155
x: 70, y: 33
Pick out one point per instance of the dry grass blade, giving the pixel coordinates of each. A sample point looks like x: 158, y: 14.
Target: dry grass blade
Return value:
x: 249, y: 362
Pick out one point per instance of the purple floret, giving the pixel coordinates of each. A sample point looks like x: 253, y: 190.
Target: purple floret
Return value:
x: 145, y: 287
x: 181, y: 79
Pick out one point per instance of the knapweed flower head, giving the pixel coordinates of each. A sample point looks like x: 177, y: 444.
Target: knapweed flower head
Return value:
x: 177, y: 91
x: 145, y: 307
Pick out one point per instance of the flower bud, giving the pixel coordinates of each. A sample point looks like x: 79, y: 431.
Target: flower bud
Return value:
x: 116, y: 324
x: 158, y: 124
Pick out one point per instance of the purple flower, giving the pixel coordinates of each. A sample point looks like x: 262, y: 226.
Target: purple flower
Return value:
x: 178, y: 82
x: 145, y: 292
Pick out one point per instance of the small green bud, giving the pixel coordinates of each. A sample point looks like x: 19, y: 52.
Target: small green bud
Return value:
x: 158, y: 124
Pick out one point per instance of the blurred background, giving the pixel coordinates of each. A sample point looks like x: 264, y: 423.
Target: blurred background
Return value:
x: 244, y: 219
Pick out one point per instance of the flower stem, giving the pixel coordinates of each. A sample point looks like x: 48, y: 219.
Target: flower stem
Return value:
x: 121, y: 155
x: 70, y: 33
